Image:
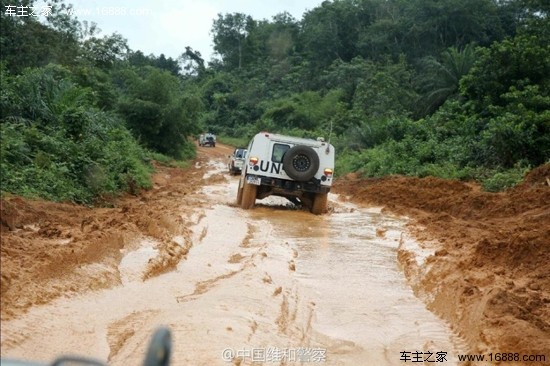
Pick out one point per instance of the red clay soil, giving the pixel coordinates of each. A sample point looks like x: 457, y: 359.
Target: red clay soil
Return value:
x: 489, y: 275
x: 51, y: 249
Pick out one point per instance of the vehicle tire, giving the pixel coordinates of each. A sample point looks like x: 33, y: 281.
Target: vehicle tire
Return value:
x: 239, y: 194
x: 249, y: 195
x: 301, y: 163
x: 319, y: 205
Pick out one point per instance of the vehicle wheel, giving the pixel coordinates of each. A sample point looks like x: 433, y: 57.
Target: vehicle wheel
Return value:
x: 239, y: 194
x: 301, y: 163
x: 319, y: 205
x: 249, y: 195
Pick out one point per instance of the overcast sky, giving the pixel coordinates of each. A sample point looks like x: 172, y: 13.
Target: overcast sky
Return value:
x: 168, y: 26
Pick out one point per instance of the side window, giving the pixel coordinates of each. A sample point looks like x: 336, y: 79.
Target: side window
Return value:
x: 279, y: 151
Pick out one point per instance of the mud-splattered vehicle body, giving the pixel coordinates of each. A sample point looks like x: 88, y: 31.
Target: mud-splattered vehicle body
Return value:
x: 298, y: 169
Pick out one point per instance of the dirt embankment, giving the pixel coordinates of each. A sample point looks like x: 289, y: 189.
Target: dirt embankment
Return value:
x: 53, y: 249
x: 490, y: 271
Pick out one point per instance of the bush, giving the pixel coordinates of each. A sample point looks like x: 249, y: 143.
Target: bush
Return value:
x: 167, y: 161
x: 502, y: 180
x: 159, y: 113
x: 58, y: 146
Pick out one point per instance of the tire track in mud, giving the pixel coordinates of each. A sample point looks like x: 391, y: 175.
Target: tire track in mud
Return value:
x: 121, y: 331
x: 331, y: 257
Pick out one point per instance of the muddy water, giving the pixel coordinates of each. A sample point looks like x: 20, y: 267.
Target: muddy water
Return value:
x: 347, y: 265
x: 271, y: 285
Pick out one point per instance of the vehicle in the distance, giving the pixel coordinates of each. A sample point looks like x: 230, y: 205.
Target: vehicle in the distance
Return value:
x: 236, y: 160
x: 207, y: 139
x: 298, y: 169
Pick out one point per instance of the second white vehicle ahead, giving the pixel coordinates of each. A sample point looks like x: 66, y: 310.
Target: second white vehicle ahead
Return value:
x: 236, y: 161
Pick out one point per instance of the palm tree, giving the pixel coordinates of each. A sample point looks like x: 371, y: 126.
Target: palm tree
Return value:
x: 442, y: 78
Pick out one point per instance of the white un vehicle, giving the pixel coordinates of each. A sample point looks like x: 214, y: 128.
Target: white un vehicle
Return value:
x: 298, y: 169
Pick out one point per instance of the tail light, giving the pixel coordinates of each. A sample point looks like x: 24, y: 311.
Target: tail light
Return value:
x: 328, y: 172
x: 253, y: 160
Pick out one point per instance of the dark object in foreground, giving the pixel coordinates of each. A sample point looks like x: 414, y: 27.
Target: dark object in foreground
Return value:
x: 158, y: 354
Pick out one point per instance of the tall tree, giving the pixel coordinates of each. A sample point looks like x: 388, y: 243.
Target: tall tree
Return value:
x: 105, y: 51
x: 27, y: 42
x: 434, y: 25
x: 331, y: 31
x: 193, y: 61
x: 230, y: 33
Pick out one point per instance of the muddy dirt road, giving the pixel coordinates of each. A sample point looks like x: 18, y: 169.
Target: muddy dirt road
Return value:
x: 273, y: 285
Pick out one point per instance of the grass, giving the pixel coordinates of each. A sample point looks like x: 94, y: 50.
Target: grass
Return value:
x: 168, y: 161
x: 233, y: 141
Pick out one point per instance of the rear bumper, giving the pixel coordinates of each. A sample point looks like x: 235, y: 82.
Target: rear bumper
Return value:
x: 289, y: 186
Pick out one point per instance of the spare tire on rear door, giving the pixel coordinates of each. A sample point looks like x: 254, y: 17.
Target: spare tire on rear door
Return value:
x: 301, y: 163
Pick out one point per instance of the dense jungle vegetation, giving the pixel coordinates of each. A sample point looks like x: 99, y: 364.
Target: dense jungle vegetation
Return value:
x: 450, y: 88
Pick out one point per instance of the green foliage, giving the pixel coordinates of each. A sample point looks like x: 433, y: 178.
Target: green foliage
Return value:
x: 161, y: 116
x: 434, y: 25
x: 440, y: 80
x: 232, y: 38
x: 104, y: 52
x: 520, y: 130
x: 307, y: 111
x: 512, y: 63
x: 27, y: 42
x: 398, y: 83
x: 167, y: 161
x: 386, y: 90
x: 57, y: 145
x: 234, y: 141
x: 502, y: 180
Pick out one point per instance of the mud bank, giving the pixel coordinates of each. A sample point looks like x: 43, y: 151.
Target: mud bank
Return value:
x: 51, y: 250
x: 483, y: 262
